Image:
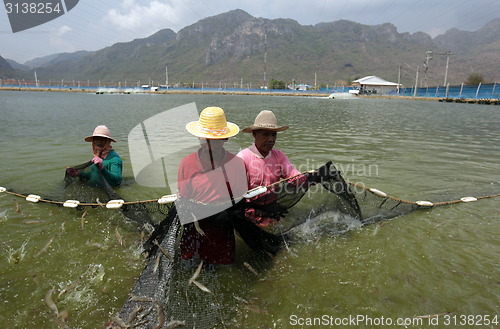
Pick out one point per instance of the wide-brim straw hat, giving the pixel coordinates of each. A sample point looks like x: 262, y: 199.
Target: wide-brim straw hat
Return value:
x: 265, y: 120
x: 100, y: 131
x: 212, y: 125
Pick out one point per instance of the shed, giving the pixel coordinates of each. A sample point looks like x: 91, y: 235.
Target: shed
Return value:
x: 300, y: 86
x: 375, y: 85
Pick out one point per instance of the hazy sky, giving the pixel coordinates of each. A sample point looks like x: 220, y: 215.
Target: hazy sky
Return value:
x: 95, y: 24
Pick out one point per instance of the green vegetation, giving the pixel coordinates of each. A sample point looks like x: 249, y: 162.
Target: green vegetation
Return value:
x: 474, y: 79
x: 277, y: 84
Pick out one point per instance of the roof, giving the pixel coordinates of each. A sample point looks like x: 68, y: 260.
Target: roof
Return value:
x: 375, y: 81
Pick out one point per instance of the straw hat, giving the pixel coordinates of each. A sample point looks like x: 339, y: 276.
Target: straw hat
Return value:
x: 100, y: 131
x: 267, y: 121
x: 212, y: 125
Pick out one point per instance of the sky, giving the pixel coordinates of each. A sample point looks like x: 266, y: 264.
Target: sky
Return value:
x: 95, y: 24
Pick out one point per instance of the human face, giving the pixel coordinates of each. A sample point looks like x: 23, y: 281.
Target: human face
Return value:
x: 99, y: 141
x: 264, y: 140
x: 212, y: 145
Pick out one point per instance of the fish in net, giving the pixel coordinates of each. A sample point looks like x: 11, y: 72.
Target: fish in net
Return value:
x: 174, y: 291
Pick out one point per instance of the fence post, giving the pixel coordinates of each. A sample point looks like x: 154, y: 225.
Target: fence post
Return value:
x: 477, y: 91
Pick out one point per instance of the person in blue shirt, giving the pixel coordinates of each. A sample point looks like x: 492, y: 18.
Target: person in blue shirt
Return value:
x: 105, y: 161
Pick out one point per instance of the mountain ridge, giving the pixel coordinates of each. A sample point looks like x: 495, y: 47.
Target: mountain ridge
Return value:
x: 231, y: 47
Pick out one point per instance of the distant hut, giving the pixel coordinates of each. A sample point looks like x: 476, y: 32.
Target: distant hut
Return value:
x: 375, y: 85
x: 300, y: 87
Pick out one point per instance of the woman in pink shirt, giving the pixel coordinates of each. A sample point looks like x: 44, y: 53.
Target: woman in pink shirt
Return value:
x: 210, y: 181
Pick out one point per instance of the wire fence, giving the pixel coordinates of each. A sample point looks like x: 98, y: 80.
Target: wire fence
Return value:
x: 476, y: 92
x: 152, y: 86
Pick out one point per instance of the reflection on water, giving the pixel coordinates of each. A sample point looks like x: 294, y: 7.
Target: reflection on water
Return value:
x: 428, y: 262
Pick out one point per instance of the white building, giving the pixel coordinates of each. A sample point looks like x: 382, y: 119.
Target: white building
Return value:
x: 300, y: 86
x: 375, y: 85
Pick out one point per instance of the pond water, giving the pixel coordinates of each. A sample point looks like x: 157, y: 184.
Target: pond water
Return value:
x: 438, y: 261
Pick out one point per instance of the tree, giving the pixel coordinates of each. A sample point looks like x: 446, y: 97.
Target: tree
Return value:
x: 277, y: 84
x: 474, y: 79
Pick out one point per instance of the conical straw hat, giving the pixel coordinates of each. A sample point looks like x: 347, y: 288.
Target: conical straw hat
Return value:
x: 212, y: 125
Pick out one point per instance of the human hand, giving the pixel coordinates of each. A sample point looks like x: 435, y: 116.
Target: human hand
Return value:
x: 324, y: 173
x: 98, y: 162
x: 72, y: 172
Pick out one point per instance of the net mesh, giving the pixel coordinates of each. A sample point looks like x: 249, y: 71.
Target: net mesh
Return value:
x: 174, y: 291
x: 137, y: 212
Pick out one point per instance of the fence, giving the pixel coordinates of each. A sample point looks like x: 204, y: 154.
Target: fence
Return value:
x: 481, y: 91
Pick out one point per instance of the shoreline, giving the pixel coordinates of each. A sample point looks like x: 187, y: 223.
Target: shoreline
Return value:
x: 204, y: 92
x: 170, y: 91
x: 243, y: 92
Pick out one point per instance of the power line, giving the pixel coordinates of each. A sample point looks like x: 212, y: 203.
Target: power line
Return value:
x: 341, y: 10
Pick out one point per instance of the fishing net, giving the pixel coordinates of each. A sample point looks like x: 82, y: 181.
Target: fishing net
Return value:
x: 103, y: 193
x: 174, y: 291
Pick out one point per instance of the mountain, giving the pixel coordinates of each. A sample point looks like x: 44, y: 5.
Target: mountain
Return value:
x: 128, y: 60
x: 6, y: 71
x: 41, y: 61
x: 466, y: 42
x: 18, y: 66
x: 55, y: 59
x: 477, y: 51
x: 235, y: 47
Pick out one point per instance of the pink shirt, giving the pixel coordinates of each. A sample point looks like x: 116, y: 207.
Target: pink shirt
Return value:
x: 212, y: 191
x: 198, y: 181
x: 262, y: 171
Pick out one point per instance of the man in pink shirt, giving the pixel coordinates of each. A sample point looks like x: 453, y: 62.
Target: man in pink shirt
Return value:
x: 264, y: 164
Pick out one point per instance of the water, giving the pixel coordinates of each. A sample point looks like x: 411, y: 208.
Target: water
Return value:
x: 428, y: 262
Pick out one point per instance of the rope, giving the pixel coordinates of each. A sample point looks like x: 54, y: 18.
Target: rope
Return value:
x: 427, y: 204
x: 113, y: 204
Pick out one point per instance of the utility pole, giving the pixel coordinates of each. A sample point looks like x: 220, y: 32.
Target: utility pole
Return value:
x: 416, y: 80
x: 399, y: 77
x: 416, y: 84
x: 428, y: 57
x: 166, y: 76
x: 265, y: 56
x: 36, y: 80
x: 447, y: 54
